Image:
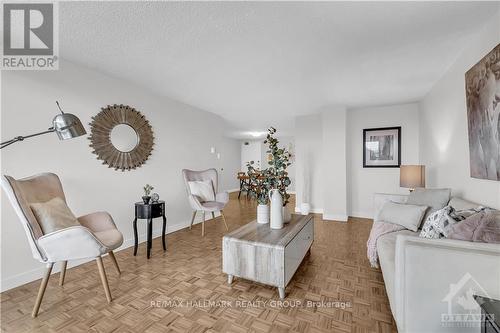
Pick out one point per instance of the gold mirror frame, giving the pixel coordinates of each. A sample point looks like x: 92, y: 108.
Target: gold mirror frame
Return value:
x: 100, y: 137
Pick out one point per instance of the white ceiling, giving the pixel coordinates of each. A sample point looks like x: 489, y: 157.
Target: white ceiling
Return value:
x: 262, y: 63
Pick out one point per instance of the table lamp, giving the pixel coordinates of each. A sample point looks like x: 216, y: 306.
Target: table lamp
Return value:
x: 412, y: 176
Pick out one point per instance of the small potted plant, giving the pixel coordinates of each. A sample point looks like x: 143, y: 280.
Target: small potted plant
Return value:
x: 147, y: 191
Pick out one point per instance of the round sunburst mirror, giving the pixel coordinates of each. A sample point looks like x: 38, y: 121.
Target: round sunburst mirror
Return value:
x: 121, y: 137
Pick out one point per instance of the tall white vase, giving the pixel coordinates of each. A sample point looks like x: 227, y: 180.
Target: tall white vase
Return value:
x: 263, y: 214
x: 276, y: 209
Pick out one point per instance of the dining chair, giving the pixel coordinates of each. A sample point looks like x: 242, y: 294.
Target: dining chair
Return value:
x: 96, y: 236
x: 242, y: 177
x: 221, y: 198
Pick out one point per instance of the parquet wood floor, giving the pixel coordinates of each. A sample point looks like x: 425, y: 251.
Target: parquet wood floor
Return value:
x: 159, y: 294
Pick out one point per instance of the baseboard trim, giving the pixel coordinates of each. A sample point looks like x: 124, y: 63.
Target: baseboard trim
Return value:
x: 37, y: 273
x: 364, y: 215
x: 312, y: 210
x: 335, y: 217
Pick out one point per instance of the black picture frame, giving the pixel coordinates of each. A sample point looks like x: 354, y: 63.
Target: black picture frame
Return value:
x: 396, y: 162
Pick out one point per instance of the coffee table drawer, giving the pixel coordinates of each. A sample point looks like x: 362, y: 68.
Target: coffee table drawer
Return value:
x: 296, y: 250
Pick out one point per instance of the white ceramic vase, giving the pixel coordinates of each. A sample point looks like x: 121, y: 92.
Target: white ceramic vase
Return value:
x: 276, y: 209
x: 263, y: 214
x: 305, y: 208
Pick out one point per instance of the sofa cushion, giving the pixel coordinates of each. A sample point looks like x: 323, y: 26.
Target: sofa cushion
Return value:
x: 435, y: 199
x: 386, y: 248
x: 408, y: 216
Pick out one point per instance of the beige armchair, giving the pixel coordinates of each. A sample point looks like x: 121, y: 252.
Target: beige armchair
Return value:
x: 221, y: 199
x: 96, y: 236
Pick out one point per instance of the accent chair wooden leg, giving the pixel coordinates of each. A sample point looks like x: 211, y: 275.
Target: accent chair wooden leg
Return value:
x: 213, y: 215
x: 192, y: 220
x: 224, y: 219
x: 104, y: 279
x: 41, y: 291
x: 203, y: 226
x: 113, y: 259
x: 62, y: 275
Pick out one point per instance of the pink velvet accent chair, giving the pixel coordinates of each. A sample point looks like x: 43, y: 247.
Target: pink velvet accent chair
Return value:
x: 96, y: 236
x: 221, y: 198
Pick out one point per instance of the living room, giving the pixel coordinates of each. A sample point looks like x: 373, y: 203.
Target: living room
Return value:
x: 353, y: 169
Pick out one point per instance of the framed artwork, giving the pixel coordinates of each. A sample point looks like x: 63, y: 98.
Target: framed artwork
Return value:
x: 382, y: 147
x: 482, y: 88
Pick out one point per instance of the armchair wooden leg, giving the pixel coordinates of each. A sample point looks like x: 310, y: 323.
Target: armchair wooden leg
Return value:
x: 113, y: 259
x: 104, y: 279
x: 203, y: 226
x: 224, y: 219
x: 213, y: 215
x: 41, y: 291
x: 192, y: 220
x: 62, y: 275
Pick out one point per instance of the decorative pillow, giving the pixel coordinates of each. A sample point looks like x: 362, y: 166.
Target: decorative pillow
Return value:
x: 437, y: 224
x: 480, y: 227
x: 489, y: 228
x: 53, y: 215
x: 460, y: 215
x: 203, y: 189
x: 408, y: 216
x: 435, y: 199
x: 461, y: 204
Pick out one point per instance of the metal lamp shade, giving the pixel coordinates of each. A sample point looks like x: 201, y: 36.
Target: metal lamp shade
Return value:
x: 412, y: 176
x: 68, y: 126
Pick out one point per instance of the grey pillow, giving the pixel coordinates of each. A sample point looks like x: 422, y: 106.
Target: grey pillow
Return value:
x: 435, y: 199
x: 408, y: 216
x: 461, y: 204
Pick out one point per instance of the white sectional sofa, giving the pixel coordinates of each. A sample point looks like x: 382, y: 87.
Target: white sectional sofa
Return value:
x: 426, y: 278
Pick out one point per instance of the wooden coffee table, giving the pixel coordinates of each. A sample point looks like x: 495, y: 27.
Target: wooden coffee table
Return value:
x: 261, y: 254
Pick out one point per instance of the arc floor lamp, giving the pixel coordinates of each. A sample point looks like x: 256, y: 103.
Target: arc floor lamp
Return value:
x: 66, y: 125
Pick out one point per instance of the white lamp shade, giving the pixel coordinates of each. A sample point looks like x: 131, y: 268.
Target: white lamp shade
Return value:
x: 412, y: 176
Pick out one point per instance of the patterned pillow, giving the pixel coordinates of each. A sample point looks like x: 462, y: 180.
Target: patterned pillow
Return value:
x: 437, y: 223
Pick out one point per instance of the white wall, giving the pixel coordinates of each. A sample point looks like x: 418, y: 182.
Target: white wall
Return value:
x: 329, y: 148
x: 183, y: 137
x: 334, y: 177
x: 443, y: 125
x: 251, y: 152
x: 364, y: 182
x: 309, y: 161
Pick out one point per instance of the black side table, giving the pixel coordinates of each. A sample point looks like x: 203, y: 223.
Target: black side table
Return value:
x: 149, y: 212
x: 490, y: 311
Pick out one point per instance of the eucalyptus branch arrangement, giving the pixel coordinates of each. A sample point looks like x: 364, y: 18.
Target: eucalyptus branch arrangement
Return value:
x: 275, y: 177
